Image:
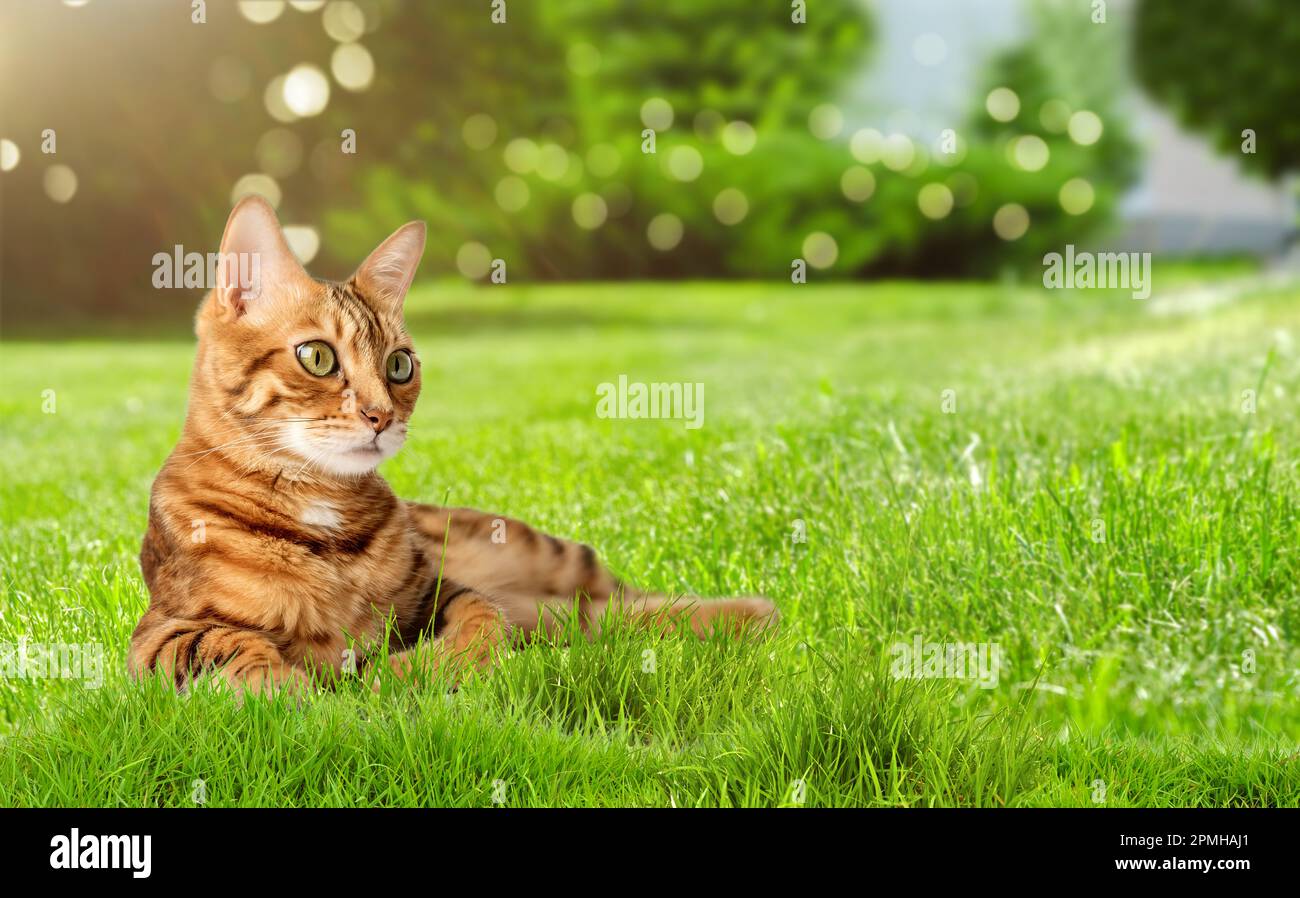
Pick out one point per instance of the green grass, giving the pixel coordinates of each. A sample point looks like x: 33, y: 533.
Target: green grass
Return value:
x: 1098, y: 506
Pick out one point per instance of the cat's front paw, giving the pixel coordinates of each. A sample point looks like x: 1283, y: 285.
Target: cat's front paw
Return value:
x: 293, y: 684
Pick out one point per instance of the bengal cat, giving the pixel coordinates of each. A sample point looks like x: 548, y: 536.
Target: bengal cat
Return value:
x: 275, y: 553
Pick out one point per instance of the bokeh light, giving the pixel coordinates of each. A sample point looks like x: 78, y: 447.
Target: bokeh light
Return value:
x: 273, y: 99
x: 657, y: 113
x: 344, y: 21
x: 934, y: 200
x: 303, y: 241
x: 9, y: 155
x: 1011, y: 221
x: 259, y: 12
x: 820, y: 249
x: 60, y: 183
x: 512, y: 193
x: 739, y: 137
x: 1085, y: 127
x: 685, y: 163
x: 521, y: 155
x: 897, y: 152
x: 256, y: 184
x: 306, y: 90
x: 1002, y: 104
x: 552, y: 161
x: 1030, y: 152
x: 664, y: 231
x: 353, y: 67
x: 867, y: 145
x: 826, y: 121
x: 589, y: 210
x: 473, y: 260
x: 306, y: 5
x: 1077, y: 196
x: 858, y: 183
x: 730, y: 206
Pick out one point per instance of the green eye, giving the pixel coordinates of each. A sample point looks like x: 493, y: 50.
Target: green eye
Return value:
x: 400, y: 367
x: 317, y: 358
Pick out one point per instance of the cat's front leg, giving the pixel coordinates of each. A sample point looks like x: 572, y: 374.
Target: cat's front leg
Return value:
x: 184, y: 649
x: 473, y: 630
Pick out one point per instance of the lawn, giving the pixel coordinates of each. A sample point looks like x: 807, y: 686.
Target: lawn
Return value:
x: 1096, y: 498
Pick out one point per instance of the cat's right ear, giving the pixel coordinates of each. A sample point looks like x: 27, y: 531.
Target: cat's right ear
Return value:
x: 387, y: 273
x: 254, y: 254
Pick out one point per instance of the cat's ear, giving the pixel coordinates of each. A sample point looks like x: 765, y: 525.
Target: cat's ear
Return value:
x: 387, y: 273
x: 254, y: 254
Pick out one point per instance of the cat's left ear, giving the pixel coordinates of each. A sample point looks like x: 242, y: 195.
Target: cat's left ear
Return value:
x: 387, y: 273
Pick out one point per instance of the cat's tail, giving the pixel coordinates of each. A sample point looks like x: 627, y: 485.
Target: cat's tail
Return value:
x: 742, y: 616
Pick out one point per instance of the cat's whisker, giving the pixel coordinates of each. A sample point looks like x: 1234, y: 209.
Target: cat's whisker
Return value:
x: 310, y: 461
x: 263, y: 429
x: 267, y: 434
x: 248, y: 441
x: 242, y: 438
x: 250, y: 466
x: 245, y: 438
x: 267, y: 418
x: 296, y: 419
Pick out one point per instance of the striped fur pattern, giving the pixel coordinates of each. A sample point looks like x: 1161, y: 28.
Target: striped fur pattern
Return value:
x: 275, y: 553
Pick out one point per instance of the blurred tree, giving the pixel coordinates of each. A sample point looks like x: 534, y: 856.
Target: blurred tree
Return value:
x: 546, y: 114
x: 525, y: 140
x: 1063, y: 153
x: 1225, y: 68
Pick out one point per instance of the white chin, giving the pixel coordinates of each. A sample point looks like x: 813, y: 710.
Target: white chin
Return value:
x: 347, y: 461
x: 353, y: 462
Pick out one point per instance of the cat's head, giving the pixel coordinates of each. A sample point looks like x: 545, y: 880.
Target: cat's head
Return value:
x: 304, y: 375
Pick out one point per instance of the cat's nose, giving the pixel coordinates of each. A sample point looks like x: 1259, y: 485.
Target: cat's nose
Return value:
x: 377, y: 418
